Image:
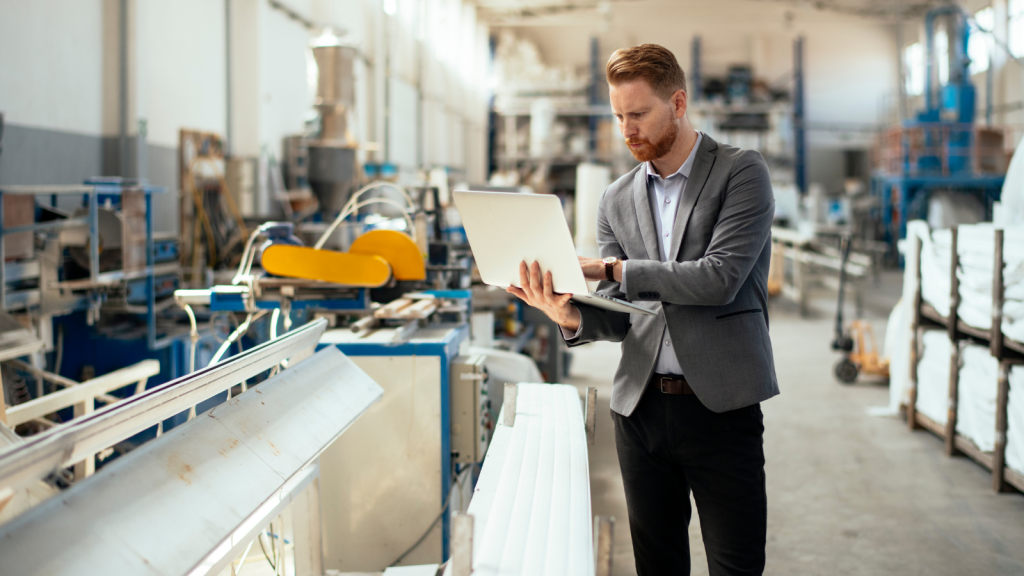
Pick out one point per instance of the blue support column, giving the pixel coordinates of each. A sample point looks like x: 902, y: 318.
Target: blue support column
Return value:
x: 799, y: 132
x: 696, y: 86
x: 594, y: 96
x: 150, y: 280
x: 94, y: 236
x: 3, y: 258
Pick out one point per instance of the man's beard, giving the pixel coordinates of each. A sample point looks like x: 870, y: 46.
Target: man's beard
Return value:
x: 652, y: 151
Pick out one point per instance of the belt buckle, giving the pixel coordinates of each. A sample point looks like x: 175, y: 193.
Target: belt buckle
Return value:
x: 661, y: 383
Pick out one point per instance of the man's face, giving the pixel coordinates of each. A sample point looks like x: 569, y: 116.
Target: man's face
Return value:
x: 647, y: 122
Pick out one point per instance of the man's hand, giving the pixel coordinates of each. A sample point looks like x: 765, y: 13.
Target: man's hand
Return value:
x: 593, y: 269
x: 537, y: 291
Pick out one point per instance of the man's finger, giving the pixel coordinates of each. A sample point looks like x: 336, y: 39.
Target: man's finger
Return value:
x: 517, y: 293
x: 524, y: 277
x: 549, y: 291
x: 536, y: 282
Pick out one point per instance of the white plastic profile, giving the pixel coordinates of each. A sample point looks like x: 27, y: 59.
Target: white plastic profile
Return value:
x: 82, y: 437
x: 531, y: 505
x: 188, y: 502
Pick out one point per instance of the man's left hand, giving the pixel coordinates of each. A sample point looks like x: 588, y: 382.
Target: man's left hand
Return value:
x: 593, y: 269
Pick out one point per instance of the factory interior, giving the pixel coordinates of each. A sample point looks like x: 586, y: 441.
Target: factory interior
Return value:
x: 244, y: 329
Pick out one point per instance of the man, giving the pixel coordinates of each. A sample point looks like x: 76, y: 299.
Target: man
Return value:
x: 688, y: 234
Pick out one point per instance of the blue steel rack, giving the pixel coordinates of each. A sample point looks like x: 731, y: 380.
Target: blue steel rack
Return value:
x: 91, y: 194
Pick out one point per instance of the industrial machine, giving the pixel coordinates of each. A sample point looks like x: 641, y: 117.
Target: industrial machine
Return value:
x: 941, y: 148
x: 83, y: 262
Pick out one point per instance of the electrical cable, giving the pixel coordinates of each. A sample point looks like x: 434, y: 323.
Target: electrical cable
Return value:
x: 265, y: 555
x: 244, y: 556
x: 444, y: 509
x: 237, y: 334
x: 247, y: 256
x: 60, y: 350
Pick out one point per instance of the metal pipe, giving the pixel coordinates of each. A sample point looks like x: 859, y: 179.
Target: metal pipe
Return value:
x: 227, y: 77
x: 123, y: 88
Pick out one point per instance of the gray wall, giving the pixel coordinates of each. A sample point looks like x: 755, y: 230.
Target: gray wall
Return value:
x: 42, y: 156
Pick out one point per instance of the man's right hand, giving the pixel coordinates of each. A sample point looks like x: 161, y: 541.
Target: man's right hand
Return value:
x: 537, y: 291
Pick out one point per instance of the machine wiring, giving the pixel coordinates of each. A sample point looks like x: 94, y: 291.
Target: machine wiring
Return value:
x: 236, y: 335
x: 460, y: 479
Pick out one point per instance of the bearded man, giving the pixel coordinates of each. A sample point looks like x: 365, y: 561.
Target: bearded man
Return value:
x: 687, y: 234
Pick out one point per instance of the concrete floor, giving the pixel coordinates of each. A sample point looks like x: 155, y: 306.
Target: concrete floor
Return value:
x: 848, y: 493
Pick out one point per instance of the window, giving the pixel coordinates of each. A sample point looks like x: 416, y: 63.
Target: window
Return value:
x: 913, y: 61
x: 1015, y: 20
x: 979, y: 44
x: 942, y: 55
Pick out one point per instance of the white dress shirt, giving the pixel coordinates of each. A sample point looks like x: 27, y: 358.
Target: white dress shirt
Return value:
x: 664, y: 195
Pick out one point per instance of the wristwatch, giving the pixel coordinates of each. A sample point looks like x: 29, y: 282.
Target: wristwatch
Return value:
x: 609, y: 268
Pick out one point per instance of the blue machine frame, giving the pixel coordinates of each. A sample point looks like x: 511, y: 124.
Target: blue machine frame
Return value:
x: 945, y: 133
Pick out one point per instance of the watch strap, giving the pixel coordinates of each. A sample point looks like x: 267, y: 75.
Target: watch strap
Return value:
x: 609, y: 271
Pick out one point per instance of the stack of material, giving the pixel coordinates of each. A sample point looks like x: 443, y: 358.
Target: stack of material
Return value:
x: 933, y: 376
x: 1015, y: 421
x: 978, y: 383
x: 976, y: 250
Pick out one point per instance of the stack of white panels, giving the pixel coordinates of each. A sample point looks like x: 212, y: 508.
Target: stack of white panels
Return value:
x: 531, y: 506
x: 977, y: 385
x: 933, y: 376
x: 1015, y: 421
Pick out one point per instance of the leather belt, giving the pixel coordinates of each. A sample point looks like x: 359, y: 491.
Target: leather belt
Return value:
x: 671, y: 384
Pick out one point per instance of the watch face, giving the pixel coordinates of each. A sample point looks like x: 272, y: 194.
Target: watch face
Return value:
x: 610, y: 260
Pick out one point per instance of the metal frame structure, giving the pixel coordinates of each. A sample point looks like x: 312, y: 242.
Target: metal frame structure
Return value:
x: 91, y: 193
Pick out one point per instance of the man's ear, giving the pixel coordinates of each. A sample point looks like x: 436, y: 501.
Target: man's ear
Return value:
x: 679, y: 102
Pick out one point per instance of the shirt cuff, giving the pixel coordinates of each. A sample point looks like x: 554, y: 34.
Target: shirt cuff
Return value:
x: 622, y: 285
x: 570, y: 335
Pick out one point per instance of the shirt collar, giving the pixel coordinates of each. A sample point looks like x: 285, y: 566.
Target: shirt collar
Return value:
x: 687, y: 164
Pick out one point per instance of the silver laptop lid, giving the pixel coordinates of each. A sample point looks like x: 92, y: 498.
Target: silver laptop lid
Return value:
x: 505, y: 229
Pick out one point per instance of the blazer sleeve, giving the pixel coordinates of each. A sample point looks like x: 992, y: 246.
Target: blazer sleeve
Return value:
x: 598, y: 323
x: 744, y: 226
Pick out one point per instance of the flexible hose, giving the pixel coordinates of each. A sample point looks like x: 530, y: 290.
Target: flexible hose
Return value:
x: 353, y: 205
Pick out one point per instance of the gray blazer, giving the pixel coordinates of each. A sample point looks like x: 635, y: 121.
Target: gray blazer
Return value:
x: 711, y: 292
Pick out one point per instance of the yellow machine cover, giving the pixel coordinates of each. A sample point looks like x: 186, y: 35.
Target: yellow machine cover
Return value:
x: 363, y: 270
x: 397, y: 248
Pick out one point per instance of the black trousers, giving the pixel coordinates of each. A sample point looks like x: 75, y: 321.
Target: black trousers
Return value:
x: 672, y: 444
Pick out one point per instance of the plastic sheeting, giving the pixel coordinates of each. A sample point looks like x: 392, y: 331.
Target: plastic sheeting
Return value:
x: 897, y: 349
x: 1015, y: 421
x: 1012, y: 197
x: 933, y: 376
x: 977, y: 385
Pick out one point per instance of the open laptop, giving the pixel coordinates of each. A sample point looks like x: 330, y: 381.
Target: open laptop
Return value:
x: 505, y: 229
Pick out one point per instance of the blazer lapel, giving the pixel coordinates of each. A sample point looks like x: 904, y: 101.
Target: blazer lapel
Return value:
x: 699, y: 173
x: 643, y: 214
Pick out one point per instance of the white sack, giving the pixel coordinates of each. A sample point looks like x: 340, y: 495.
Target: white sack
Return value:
x: 933, y: 376
x: 976, y: 397
x: 1015, y: 421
